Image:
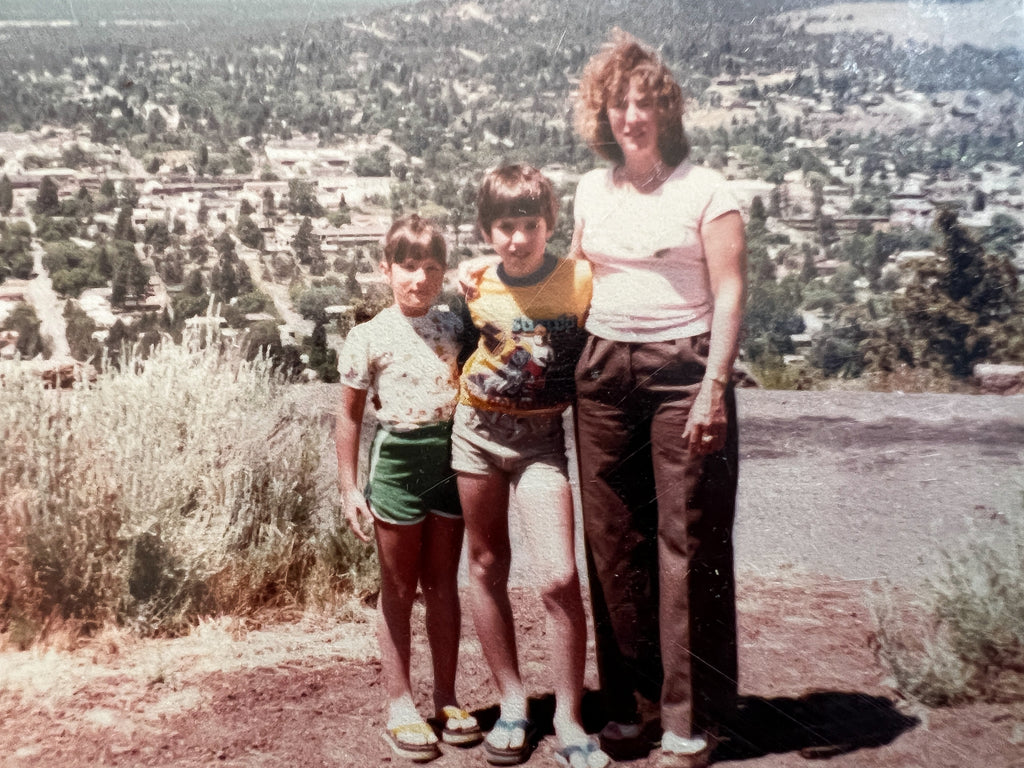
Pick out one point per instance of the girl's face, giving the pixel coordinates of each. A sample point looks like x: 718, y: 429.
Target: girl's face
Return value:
x: 416, y: 283
x: 633, y: 118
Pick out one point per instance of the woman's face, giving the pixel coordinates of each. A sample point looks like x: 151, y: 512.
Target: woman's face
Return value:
x: 634, y: 121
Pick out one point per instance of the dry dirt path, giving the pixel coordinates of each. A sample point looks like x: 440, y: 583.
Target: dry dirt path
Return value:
x: 48, y: 306
x: 293, y: 321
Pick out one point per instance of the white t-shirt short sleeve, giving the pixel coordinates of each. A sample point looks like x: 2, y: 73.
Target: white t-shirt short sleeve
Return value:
x: 650, y: 274
x: 410, y: 363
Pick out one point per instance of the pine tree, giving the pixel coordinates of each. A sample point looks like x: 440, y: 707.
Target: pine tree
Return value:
x: 6, y: 195
x: 961, y: 306
x: 130, y: 279
x: 197, y: 250
x: 303, y: 240
x: 47, y: 202
x: 225, y: 246
x: 269, y: 206
x: 248, y: 232
x: 124, y: 229
x: 194, y: 284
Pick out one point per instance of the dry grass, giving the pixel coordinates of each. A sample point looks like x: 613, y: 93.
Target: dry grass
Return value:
x: 962, y: 639
x: 184, y: 485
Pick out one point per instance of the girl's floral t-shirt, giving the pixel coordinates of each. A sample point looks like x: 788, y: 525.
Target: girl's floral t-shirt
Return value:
x: 409, y: 366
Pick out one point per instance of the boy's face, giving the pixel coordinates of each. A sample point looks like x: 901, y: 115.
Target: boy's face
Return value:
x: 416, y: 283
x: 520, y: 242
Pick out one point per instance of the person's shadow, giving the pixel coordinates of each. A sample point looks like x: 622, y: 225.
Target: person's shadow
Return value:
x: 820, y: 724
x: 817, y: 725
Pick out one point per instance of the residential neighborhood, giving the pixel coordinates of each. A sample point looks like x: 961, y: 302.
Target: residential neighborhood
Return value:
x: 831, y: 158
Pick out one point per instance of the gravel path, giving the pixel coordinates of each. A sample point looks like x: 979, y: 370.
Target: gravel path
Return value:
x: 868, y: 485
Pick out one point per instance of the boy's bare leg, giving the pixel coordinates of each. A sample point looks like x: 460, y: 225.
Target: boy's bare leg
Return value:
x: 439, y: 565
x: 543, y: 502
x: 398, y: 548
x: 485, y: 508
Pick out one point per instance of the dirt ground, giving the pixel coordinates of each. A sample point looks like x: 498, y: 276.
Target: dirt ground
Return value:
x: 838, y: 491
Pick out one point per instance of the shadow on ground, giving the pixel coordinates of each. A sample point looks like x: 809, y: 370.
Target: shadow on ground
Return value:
x: 820, y: 724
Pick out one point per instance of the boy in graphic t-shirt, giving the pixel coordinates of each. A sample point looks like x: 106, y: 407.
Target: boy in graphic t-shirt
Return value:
x: 507, y: 439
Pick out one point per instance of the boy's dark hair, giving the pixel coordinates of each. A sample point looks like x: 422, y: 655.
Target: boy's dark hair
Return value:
x: 515, y: 190
x: 413, y: 237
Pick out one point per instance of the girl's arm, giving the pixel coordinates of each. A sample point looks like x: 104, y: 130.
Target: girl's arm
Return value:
x: 347, y: 428
x: 726, y: 254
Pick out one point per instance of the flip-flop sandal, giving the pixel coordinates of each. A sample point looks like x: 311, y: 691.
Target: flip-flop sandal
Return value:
x: 458, y: 727
x: 510, y: 755
x: 396, y: 738
x: 586, y: 755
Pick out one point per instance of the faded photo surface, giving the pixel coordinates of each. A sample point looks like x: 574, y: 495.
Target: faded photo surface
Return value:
x: 739, y: 449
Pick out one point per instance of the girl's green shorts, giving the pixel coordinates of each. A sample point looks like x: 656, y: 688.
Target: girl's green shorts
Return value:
x: 411, y: 475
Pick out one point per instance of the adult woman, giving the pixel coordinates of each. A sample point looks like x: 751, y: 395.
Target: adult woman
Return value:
x: 655, y: 408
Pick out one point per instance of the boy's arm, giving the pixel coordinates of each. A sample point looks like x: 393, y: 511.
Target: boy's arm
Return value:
x: 347, y: 428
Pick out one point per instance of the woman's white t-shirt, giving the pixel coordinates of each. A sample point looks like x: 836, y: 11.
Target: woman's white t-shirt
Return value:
x: 650, y: 274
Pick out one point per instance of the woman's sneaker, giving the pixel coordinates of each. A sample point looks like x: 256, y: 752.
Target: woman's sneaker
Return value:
x: 682, y: 752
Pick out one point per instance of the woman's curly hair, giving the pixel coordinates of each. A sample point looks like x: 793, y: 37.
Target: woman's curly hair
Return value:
x: 606, y: 79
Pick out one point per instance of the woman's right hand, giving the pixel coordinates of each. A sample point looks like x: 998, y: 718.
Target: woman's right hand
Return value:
x: 357, y: 514
x: 469, y: 273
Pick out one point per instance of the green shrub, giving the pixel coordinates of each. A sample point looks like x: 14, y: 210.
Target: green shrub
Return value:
x: 963, y: 639
x: 31, y: 341
x: 312, y: 302
x: 183, y: 485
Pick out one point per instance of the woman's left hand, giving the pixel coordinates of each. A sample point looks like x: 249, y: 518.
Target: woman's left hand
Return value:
x: 708, y: 422
x: 725, y: 252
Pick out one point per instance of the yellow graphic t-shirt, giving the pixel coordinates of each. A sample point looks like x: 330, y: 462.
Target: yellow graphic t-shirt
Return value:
x: 531, y: 335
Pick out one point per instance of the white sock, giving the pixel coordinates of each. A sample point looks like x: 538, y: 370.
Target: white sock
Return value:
x: 402, y: 712
x: 513, y: 710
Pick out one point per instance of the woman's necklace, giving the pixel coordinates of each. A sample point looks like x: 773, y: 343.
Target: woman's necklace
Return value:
x: 650, y: 180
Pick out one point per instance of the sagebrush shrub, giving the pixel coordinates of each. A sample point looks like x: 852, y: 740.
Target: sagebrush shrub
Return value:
x: 185, y: 484
x: 962, y: 639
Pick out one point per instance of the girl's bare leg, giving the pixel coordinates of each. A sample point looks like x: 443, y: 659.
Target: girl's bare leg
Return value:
x: 398, y: 548
x: 439, y: 564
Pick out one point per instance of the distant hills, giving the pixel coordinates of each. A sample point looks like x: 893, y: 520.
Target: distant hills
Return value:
x: 979, y: 23
x: 991, y: 24
x: 97, y: 11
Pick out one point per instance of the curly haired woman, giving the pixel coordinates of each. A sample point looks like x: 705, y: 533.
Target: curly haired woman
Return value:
x: 656, y: 419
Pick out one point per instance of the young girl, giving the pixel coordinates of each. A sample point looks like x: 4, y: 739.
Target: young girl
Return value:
x: 406, y: 359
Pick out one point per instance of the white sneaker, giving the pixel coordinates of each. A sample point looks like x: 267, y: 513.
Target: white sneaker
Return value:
x: 681, y: 745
